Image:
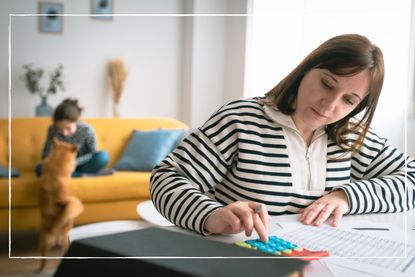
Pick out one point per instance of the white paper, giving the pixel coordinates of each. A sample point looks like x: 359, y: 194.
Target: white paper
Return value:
x: 364, y: 252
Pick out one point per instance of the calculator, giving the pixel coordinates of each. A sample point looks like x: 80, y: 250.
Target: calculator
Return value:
x: 280, y: 247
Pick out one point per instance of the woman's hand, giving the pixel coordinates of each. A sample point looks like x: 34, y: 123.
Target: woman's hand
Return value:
x: 237, y: 217
x: 334, y: 203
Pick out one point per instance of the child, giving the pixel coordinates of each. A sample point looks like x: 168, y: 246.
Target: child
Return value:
x: 68, y: 128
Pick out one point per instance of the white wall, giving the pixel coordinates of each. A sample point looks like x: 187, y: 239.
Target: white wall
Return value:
x: 410, y: 142
x: 150, y: 47
x: 215, y: 61
x: 410, y: 126
x: 178, y: 66
x: 181, y: 67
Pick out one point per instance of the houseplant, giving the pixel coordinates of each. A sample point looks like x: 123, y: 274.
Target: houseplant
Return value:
x: 32, y: 78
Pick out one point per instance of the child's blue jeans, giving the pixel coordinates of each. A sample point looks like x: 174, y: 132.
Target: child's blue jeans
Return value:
x: 97, y: 162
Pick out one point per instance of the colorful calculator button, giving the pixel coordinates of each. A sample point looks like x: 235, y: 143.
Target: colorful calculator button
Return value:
x: 280, y: 247
x: 243, y: 244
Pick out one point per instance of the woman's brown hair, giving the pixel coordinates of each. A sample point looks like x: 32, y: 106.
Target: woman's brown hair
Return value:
x: 344, y: 55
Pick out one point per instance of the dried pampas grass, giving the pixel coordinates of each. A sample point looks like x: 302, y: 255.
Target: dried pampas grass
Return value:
x: 117, y: 74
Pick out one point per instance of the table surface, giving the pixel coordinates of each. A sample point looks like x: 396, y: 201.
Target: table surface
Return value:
x: 145, y: 210
x: 395, y: 221
x: 106, y: 228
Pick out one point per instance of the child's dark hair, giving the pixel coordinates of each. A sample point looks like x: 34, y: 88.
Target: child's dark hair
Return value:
x: 67, y: 110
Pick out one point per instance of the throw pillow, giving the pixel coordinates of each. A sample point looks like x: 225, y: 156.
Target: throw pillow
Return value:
x: 146, y: 149
x: 4, y: 172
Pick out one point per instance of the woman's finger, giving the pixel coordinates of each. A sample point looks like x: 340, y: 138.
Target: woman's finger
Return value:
x: 260, y: 219
x: 260, y: 228
x: 245, y: 214
x: 311, y: 213
x: 233, y: 223
x: 262, y: 211
x: 337, y: 216
x: 323, y: 215
x: 223, y: 221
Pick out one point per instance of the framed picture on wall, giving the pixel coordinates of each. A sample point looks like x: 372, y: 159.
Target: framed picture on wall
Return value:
x: 102, y: 9
x: 50, y: 20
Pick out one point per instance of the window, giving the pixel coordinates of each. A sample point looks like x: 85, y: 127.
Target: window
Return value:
x: 283, y: 32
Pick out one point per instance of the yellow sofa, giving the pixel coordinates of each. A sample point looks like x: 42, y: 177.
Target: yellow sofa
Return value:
x: 104, y: 197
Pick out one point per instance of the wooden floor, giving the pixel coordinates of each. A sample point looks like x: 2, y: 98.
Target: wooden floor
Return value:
x: 24, y: 245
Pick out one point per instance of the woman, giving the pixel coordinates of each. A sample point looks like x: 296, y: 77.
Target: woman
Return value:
x: 67, y: 127
x: 299, y: 149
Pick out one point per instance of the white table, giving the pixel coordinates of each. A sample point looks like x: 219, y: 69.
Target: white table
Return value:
x: 148, y: 212
x: 395, y: 222
x: 106, y: 228
x: 151, y: 218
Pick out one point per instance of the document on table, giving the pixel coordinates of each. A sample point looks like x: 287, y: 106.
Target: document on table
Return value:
x: 361, y: 252
x: 369, y: 252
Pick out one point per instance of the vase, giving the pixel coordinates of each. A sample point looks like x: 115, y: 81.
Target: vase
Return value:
x: 116, y: 110
x: 43, y: 109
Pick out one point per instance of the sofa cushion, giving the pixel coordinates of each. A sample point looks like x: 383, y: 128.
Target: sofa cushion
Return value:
x: 146, y: 149
x: 4, y: 172
x: 100, y: 189
x: 28, y: 136
x: 119, y: 186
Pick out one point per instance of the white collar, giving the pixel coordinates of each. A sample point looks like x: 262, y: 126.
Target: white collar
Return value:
x: 287, y: 121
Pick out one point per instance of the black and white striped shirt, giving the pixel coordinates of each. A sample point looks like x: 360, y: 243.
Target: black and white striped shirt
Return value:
x: 240, y: 153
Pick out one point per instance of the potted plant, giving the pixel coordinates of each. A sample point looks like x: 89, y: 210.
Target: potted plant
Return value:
x: 117, y: 74
x: 32, y: 78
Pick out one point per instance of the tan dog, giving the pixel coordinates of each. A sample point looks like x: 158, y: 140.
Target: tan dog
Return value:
x: 58, y: 207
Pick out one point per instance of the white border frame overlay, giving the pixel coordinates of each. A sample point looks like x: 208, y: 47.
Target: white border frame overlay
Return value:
x: 158, y: 15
